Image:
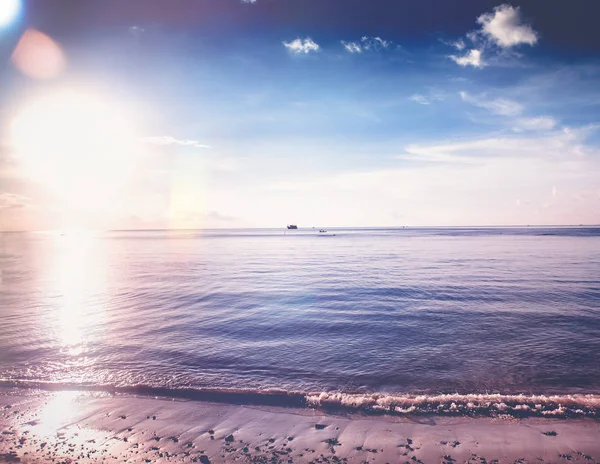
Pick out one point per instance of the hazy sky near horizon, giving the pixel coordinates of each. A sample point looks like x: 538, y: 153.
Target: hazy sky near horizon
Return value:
x: 259, y: 113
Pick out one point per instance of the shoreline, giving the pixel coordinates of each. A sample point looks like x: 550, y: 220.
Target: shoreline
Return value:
x: 75, y: 426
x: 518, y: 405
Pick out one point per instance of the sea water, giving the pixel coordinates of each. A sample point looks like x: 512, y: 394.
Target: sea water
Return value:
x: 368, y: 317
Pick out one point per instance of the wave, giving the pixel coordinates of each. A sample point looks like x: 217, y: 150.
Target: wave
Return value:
x: 473, y: 404
x: 453, y: 404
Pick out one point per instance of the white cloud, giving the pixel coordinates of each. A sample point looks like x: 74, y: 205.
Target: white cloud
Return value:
x: 366, y: 44
x: 500, y: 106
x: 506, y: 107
x: 502, y: 28
x: 305, y: 46
x: 352, y: 47
x: 539, y: 123
x: 458, y: 44
x: 432, y: 96
x: 421, y: 99
x: 375, y: 43
x: 471, y: 58
x: 566, y: 144
x: 168, y: 140
x: 505, y: 27
x: 248, y: 1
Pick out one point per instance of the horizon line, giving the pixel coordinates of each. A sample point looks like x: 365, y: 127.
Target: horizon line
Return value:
x: 514, y: 226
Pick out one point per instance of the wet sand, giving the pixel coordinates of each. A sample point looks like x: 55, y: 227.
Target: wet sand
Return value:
x: 90, y: 427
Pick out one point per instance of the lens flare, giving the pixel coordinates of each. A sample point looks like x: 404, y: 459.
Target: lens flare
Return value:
x: 38, y: 56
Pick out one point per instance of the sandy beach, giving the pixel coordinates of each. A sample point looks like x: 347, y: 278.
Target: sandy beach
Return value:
x: 93, y: 427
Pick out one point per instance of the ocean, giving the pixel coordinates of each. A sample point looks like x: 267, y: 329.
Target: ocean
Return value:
x: 405, y: 320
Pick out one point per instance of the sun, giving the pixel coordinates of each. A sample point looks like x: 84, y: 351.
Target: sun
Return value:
x: 77, y: 145
x: 9, y: 9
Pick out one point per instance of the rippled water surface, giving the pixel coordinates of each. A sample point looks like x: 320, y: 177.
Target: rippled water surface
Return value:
x: 370, y: 310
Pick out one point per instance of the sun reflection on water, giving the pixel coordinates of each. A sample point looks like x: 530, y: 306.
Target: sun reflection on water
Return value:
x: 77, y: 279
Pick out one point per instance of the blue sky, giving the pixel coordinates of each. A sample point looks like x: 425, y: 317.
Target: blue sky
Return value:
x: 340, y: 113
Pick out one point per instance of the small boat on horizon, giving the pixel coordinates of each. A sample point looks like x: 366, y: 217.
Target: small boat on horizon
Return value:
x: 323, y: 233
x: 292, y: 227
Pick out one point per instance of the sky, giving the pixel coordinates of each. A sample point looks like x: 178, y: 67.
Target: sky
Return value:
x: 148, y: 114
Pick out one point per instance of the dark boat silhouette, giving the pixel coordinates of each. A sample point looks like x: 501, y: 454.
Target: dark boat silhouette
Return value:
x: 292, y: 226
x: 323, y: 233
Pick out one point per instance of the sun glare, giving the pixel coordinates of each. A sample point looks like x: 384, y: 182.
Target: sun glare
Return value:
x: 77, y: 145
x: 9, y: 9
x: 78, y: 275
x: 57, y: 413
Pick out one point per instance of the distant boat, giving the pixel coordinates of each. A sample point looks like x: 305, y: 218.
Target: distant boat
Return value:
x: 292, y: 227
x: 323, y: 233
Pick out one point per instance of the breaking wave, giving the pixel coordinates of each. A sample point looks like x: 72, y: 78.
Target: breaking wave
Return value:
x: 454, y: 404
x: 474, y: 404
